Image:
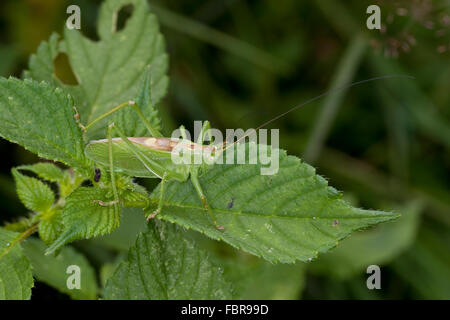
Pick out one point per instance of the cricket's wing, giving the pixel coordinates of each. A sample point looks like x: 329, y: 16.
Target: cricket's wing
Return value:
x: 127, y: 162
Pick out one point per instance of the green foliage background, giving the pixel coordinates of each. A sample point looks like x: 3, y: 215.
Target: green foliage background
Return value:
x: 240, y: 63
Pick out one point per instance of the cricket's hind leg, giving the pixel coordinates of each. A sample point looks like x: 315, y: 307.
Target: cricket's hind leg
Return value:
x: 194, y: 177
x: 132, y: 104
x: 201, y: 194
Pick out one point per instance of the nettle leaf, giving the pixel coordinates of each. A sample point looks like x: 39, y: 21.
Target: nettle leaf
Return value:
x: 109, y: 71
x: 53, y: 270
x: 84, y: 217
x: 378, y: 246
x: 16, y: 279
x: 45, y: 170
x: 51, y: 226
x: 292, y: 215
x: 165, y: 265
x: 131, y: 191
x: 71, y: 181
x: 34, y: 194
x: 127, y: 119
x: 40, y: 118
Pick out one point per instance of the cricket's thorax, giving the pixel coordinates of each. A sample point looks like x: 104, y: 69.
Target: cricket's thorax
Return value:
x: 164, y: 144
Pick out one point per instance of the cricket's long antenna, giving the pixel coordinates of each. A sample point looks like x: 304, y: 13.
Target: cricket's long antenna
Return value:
x: 326, y: 93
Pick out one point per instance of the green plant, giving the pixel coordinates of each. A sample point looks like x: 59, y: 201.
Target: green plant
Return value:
x: 291, y: 216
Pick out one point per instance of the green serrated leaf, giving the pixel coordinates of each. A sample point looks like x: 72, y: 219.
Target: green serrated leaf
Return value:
x: 71, y: 181
x: 127, y: 119
x: 34, y: 194
x: 51, y: 226
x: 16, y: 279
x: 292, y: 215
x: 45, y: 170
x: 41, y: 64
x: 165, y: 265
x: 109, y: 70
x: 40, y: 118
x: 132, y: 192
x: 84, y: 217
x: 378, y: 246
x: 53, y: 270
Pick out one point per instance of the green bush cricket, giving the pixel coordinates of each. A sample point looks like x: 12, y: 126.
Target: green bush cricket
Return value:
x: 147, y: 157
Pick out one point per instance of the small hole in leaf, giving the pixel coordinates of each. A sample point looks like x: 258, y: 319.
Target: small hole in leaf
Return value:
x: 63, y: 70
x: 123, y: 15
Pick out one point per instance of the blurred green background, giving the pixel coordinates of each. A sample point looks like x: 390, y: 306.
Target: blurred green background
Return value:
x: 240, y: 63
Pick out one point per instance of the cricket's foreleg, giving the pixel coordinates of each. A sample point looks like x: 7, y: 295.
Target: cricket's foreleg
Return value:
x: 161, y: 199
x: 198, y: 188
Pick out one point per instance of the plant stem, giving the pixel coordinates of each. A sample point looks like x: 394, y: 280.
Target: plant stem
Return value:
x: 19, y: 239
